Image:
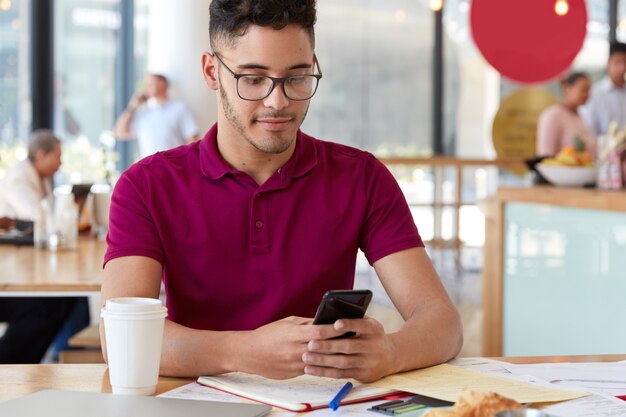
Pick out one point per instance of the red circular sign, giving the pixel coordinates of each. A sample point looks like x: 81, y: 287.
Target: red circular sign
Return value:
x: 526, y: 40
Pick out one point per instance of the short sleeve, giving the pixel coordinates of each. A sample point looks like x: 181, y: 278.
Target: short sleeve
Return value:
x: 132, y: 231
x: 388, y: 225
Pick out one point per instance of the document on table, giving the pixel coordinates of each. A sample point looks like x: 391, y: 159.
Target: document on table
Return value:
x: 596, y: 405
x: 601, y: 377
x: 484, y: 365
x: 446, y: 382
x: 195, y: 391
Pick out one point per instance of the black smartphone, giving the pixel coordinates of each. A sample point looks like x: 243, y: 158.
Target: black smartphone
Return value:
x: 342, y: 304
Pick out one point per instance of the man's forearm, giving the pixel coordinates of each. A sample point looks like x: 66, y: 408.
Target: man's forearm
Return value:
x: 122, y: 125
x: 431, y: 336
x: 189, y: 352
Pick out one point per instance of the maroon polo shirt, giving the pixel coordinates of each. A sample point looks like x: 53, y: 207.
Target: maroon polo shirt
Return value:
x: 237, y: 255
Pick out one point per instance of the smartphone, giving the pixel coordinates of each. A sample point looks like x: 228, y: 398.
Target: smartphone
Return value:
x: 342, y: 304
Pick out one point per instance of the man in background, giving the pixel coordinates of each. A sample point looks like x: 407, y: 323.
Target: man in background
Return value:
x: 608, y: 97
x: 30, y: 181
x: 156, y: 121
x: 33, y: 322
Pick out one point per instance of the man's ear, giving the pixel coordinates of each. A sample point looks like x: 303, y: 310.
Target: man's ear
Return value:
x: 209, y: 70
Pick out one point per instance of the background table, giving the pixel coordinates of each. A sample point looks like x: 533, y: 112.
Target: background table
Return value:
x: 19, y: 380
x: 25, y: 270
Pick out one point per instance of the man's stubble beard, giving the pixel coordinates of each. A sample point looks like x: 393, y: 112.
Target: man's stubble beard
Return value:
x: 274, y: 144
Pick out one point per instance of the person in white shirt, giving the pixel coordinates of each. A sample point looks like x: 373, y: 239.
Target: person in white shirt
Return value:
x: 30, y: 181
x: 156, y: 121
x: 33, y: 322
x: 608, y: 97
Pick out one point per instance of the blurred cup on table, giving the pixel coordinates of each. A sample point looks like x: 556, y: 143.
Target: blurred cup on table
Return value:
x: 134, y: 333
x: 66, y: 218
x: 101, y: 194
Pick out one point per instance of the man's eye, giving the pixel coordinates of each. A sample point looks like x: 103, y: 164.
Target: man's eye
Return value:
x: 296, y: 80
x: 255, y: 80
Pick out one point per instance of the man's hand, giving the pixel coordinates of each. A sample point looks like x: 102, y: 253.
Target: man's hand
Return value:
x: 368, y: 356
x: 137, y: 100
x: 276, y: 350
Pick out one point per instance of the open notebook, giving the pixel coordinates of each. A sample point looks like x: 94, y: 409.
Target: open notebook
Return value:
x: 303, y: 393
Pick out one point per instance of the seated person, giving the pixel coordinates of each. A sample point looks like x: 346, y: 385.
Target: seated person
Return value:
x: 559, y: 125
x: 251, y: 225
x: 33, y: 322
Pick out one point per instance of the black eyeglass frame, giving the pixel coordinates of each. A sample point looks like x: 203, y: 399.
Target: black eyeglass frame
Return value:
x: 275, y: 80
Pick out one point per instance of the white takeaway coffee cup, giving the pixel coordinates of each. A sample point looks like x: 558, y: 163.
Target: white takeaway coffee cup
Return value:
x: 133, y: 329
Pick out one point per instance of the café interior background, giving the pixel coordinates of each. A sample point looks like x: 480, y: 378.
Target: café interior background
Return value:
x: 376, y: 93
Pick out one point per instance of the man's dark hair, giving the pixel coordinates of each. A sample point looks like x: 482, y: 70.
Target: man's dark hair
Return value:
x: 230, y: 19
x: 617, y: 48
x: 44, y: 140
x: 572, y: 77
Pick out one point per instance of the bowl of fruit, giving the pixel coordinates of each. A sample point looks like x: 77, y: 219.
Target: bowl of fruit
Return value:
x: 571, y: 167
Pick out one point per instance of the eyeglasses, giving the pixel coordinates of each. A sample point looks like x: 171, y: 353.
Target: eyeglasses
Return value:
x: 254, y: 87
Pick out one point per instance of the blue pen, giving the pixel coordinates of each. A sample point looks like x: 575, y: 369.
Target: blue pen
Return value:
x: 336, y: 401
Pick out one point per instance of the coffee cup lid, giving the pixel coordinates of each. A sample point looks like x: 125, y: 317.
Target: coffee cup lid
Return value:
x: 133, y: 305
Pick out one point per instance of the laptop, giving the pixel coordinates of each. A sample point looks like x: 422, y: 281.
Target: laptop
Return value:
x: 57, y: 403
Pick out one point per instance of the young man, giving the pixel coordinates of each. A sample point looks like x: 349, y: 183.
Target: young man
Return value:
x: 156, y: 121
x: 251, y: 225
x: 607, y: 102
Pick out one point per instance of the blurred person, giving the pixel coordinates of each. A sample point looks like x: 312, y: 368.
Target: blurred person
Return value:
x: 34, y: 322
x: 559, y: 125
x: 607, y: 102
x: 156, y: 121
x: 30, y: 181
x: 250, y: 226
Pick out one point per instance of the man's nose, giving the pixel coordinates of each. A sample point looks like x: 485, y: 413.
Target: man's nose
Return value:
x: 277, y: 98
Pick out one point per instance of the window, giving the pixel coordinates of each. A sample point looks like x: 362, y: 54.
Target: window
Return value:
x: 86, y: 46
x: 87, y: 79
x: 14, y: 81
x: 376, y: 90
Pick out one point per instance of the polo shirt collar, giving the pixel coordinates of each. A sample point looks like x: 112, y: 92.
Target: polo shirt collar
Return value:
x: 301, y: 162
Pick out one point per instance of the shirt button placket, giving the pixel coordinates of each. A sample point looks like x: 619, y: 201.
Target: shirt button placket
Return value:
x: 259, y: 235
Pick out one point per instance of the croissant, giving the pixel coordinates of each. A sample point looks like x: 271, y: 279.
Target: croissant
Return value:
x: 476, y: 404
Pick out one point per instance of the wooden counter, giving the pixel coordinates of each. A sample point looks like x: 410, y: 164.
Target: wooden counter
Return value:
x: 27, y: 269
x: 596, y: 244
x: 566, y: 197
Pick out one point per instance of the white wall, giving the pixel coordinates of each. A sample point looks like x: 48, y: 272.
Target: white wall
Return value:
x: 178, y: 34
